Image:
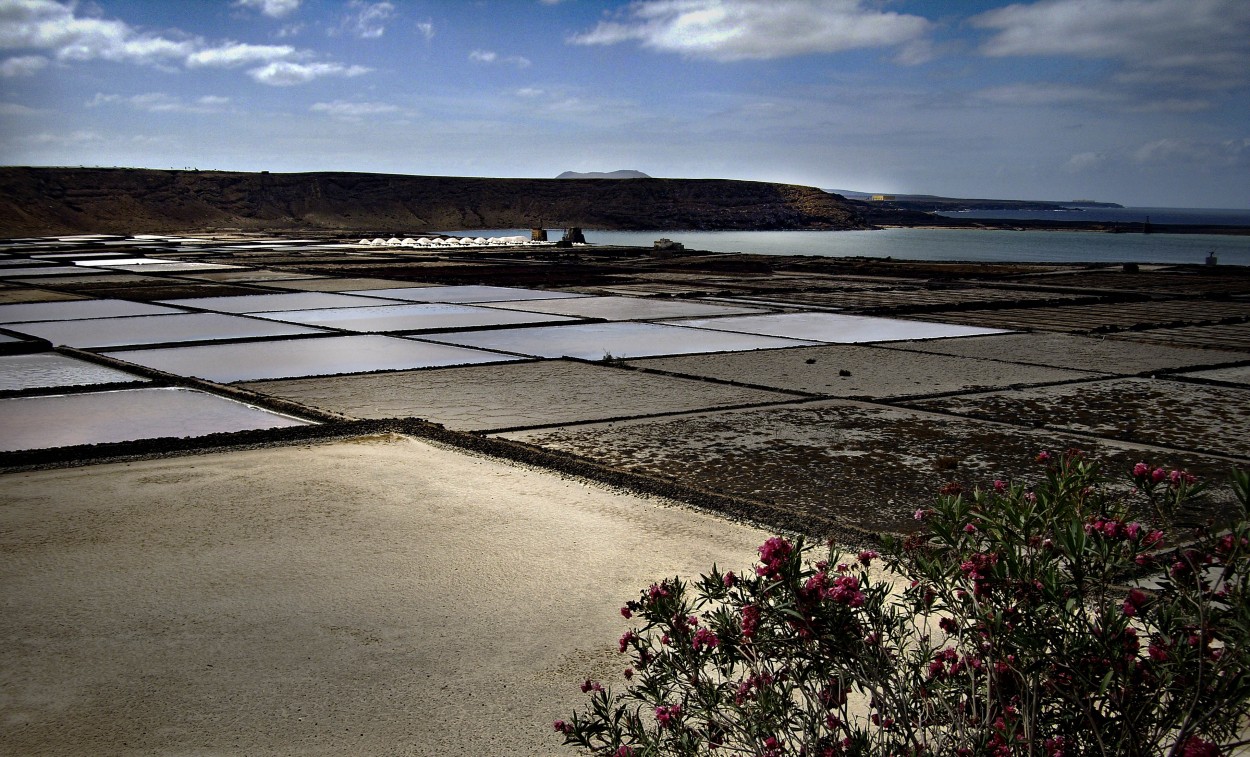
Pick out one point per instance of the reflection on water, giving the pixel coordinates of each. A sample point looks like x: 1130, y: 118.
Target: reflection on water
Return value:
x: 59, y: 311
x: 625, y: 308
x: 156, y: 329
x: 127, y: 415
x: 291, y: 358
x: 469, y: 293
x: 260, y: 303
x: 596, y: 341
x: 49, y: 369
x: 837, y: 328
x: 409, y: 317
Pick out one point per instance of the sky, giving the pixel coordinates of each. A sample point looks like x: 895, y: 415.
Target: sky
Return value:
x: 1141, y: 102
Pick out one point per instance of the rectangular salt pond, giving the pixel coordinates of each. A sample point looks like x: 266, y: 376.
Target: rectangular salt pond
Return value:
x: 126, y: 415
x: 262, y: 303
x: 171, y: 267
x: 626, y: 308
x: 157, y: 329
x: 47, y: 270
x: 292, y: 358
x: 595, y: 341
x: 132, y: 261
x: 78, y: 309
x: 410, y: 317
x: 836, y: 328
x: 471, y: 293
x: 48, y: 370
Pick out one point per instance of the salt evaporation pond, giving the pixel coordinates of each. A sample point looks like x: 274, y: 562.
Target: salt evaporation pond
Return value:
x: 157, y: 329
x: 471, y: 293
x: 292, y: 358
x: 837, y: 328
x: 78, y: 309
x: 126, y: 415
x: 47, y: 270
x: 597, y: 341
x: 262, y: 303
x: 625, y: 308
x: 49, y: 370
x: 410, y: 317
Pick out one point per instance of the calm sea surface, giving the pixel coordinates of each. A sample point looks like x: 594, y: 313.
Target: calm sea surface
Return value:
x: 940, y: 244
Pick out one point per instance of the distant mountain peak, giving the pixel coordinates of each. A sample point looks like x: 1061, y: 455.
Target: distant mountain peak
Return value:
x: 624, y: 174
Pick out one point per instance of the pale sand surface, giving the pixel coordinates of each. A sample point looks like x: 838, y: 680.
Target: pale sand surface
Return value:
x: 374, y: 596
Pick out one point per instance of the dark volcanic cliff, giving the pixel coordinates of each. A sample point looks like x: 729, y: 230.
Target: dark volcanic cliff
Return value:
x: 68, y: 200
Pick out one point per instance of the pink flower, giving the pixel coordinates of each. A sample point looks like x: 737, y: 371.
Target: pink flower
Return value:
x: 773, y: 555
x: 1158, y: 474
x: 1198, y: 747
x: 750, y: 620
x: 623, y: 644
x: 624, y: 751
x: 1133, y: 530
x: 1141, y: 469
x: 562, y: 727
x: 866, y: 556
x: 970, y: 529
x: 919, y: 515
x: 666, y: 715
x: 1043, y: 456
x: 704, y: 639
x: 1000, y: 485
x: 729, y: 580
x: 625, y: 612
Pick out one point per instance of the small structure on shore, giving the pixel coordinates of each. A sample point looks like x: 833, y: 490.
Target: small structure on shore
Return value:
x: 668, y: 245
x: 573, y: 235
x: 538, y: 235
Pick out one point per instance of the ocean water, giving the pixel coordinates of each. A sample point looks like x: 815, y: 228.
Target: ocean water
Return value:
x: 1180, y: 216
x: 979, y: 245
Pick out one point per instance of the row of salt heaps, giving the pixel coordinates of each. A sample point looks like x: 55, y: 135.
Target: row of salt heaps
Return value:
x: 443, y: 242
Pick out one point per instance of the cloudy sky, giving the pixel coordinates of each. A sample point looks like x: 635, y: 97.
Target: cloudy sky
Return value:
x: 1143, y: 102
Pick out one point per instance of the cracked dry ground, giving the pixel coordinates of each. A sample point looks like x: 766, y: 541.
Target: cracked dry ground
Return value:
x: 836, y: 466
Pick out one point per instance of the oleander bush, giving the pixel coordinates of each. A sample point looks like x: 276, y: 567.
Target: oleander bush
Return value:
x: 1066, y: 617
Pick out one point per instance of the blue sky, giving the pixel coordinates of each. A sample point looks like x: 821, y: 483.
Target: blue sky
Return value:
x: 1143, y: 102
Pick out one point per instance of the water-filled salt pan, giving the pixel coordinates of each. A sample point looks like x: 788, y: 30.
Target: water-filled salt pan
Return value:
x: 837, y: 328
x: 250, y: 361
x: 46, y: 370
x: 126, y: 415
x: 626, y: 308
x: 76, y: 309
x: 596, y: 341
x: 263, y: 303
x: 410, y: 317
x: 472, y: 293
x: 156, y: 329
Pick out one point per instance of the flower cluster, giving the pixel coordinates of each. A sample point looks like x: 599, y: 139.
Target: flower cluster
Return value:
x: 1022, y: 620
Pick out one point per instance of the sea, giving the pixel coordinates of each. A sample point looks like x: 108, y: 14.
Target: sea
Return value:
x: 975, y: 245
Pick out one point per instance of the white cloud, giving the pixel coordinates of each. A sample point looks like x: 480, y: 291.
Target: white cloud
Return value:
x: 17, y: 109
x: 490, y: 56
x: 159, y: 102
x: 72, y: 138
x: 271, y: 8
x: 353, y: 111
x: 239, y: 54
x: 48, y: 25
x: 426, y: 29
x: 55, y: 28
x: 367, y: 20
x: 1199, y: 42
x: 1194, y: 152
x: 286, y: 73
x: 530, y: 92
x: 1085, y: 162
x: 23, y: 65
x: 1107, y: 98
x: 732, y: 30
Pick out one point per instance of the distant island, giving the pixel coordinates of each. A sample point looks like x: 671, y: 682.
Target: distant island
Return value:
x: 623, y: 174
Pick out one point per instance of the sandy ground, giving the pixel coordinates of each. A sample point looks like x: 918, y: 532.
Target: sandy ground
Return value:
x: 378, y: 596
